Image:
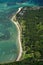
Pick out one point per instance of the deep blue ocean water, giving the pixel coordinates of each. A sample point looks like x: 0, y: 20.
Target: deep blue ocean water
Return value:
x: 8, y: 32
x: 11, y: 2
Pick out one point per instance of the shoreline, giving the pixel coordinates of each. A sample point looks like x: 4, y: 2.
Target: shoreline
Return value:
x: 19, y: 34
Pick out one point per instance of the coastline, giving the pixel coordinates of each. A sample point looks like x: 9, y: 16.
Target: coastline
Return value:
x: 19, y: 34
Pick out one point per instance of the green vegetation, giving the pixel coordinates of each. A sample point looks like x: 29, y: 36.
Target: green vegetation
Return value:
x: 31, y: 23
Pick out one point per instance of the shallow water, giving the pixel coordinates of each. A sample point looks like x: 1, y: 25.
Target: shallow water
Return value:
x: 8, y: 32
x: 8, y: 41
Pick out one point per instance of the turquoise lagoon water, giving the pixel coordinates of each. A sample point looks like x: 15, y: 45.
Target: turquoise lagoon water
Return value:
x: 9, y: 47
x: 9, y: 44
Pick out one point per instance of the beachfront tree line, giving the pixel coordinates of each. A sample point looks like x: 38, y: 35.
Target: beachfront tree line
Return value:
x: 31, y: 22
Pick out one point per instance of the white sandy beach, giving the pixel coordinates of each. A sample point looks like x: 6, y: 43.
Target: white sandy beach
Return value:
x: 19, y: 33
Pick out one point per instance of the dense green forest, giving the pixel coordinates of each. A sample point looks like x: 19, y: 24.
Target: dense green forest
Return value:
x: 31, y: 22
